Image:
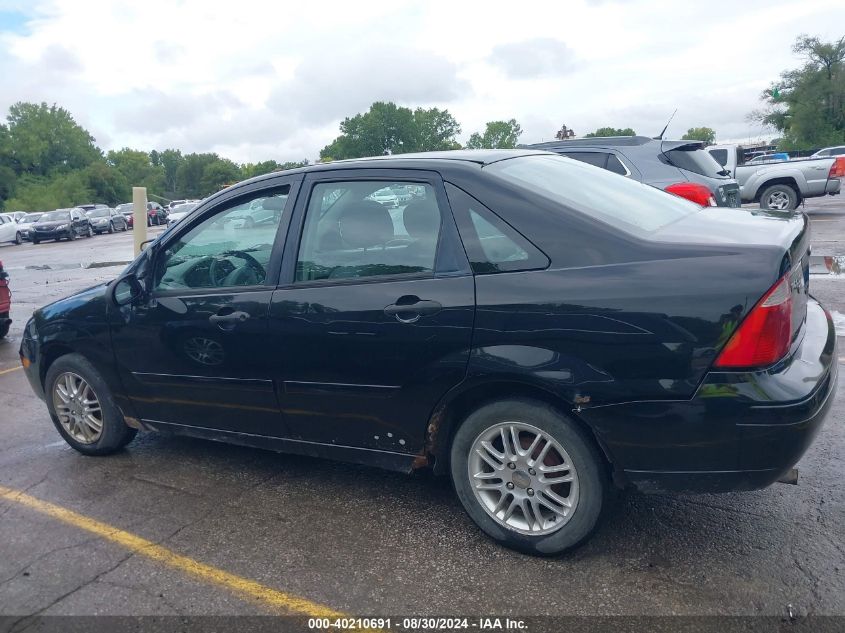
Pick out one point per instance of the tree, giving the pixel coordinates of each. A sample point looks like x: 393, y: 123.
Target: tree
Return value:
x: 106, y: 184
x: 136, y: 169
x: 497, y: 135
x: 390, y: 129
x: 218, y: 174
x: 46, y: 138
x: 706, y: 134
x: 807, y: 104
x: 170, y: 160
x: 611, y: 131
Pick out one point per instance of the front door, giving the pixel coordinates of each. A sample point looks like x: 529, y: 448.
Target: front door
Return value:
x: 373, y: 323
x: 194, y: 353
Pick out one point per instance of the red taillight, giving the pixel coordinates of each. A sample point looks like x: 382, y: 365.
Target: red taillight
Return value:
x: 764, y: 336
x: 837, y: 170
x: 693, y: 191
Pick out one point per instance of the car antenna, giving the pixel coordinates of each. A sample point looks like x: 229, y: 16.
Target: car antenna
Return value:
x: 660, y: 138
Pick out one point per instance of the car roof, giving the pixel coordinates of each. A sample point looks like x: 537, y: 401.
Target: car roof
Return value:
x: 613, y: 141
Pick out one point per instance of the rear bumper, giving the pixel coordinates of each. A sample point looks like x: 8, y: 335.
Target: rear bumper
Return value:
x: 832, y: 187
x: 741, y: 430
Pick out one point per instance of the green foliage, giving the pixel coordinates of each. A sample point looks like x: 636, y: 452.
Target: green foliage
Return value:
x: 706, y: 134
x: 41, y: 193
x: 611, y: 131
x: 136, y: 169
x: 807, y: 104
x: 497, y: 135
x: 43, y: 139
x: 390, y: 129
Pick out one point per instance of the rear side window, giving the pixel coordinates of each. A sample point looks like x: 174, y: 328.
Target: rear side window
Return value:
x: 837, y: 151
x: 697, y: 161
x: 615, y: 165
x: 369, y: 229
x: 620, y: 202
x: 720, y: 156
x: 599, y: 159
x: 493, y: 246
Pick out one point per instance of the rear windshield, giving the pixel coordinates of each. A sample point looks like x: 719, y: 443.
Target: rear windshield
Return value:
x: 98, y: 213
x: 124, y: 208
x: 695, y: 160
x: 621, y: 202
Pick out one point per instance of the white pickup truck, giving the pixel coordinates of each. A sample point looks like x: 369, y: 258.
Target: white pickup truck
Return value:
x: 781, y: 185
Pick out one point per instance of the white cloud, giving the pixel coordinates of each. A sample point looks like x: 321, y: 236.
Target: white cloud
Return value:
x: 262, y: 80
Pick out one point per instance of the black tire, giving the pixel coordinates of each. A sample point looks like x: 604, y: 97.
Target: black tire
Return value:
x: 18, y: 238
x: 115, y: 434
x: 779, y: 192
x: 36, y: 241
x: 90, y: 231
x: 111, y: 227
x: 589, y: 465
x: 71, y: 234
x: 5, y: 324
x: 149, y: 221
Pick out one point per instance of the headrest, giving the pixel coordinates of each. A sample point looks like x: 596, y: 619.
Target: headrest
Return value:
x: 365, y: 223
x: 421, y: 219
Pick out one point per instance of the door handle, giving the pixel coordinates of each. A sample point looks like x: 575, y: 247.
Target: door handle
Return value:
x: 231, y: 319
x: 410, y: 309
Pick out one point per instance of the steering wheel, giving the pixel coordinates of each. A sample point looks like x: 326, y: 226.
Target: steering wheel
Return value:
x: 217, y: 272
x: 396, y: 241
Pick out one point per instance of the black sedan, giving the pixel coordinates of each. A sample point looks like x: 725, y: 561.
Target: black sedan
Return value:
x: 539, y: 329
x: 61, y: 224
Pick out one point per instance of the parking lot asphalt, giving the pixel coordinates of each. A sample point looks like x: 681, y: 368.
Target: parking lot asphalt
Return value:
x: 310, y: 534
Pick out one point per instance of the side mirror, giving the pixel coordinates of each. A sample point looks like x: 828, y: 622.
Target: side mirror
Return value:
x: 127, y: 290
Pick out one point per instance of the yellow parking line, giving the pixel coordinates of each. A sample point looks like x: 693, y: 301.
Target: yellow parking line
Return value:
x: 9, y: 371
x: 278, y: 600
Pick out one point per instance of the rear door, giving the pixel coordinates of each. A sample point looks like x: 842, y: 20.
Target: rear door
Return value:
x: 372, y: 323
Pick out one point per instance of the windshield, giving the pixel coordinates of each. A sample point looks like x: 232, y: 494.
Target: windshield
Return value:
x: 618, y: 201
x: 53, y: 216
x: 98, y: 213
x: 31, y: 217
x: 124, y: 208
x: 697, y: 161
x: 184, y: 208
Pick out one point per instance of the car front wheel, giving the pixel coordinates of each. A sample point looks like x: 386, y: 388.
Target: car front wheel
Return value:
x: 529, y: 477
x: 83, y: 409
x: 18, y: 238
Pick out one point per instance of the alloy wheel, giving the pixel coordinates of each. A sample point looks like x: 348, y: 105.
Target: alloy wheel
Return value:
x: 78, y: 408
x: 204, y: 350
x: 523, y: 478
x: 778, y: 200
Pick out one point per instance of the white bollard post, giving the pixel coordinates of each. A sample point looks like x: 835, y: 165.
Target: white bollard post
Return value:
x: 139, y: 216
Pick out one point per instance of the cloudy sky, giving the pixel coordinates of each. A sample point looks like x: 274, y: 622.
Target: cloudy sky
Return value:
x: 259, y: 80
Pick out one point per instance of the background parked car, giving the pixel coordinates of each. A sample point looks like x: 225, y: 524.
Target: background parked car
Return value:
x: 178, y: 212
x: 5, y: 302
x: 773, y: 157
x: 839, y: 150
x: 156, y: 214
x: 781, y: 185
x: 15, y: 215
x: 127, y: 210
x: 91, y: 206
x: 60, y: 224
x: 107, y: 220
x: 25, y: 224
x: 679, y: 167
x: 8, y: 229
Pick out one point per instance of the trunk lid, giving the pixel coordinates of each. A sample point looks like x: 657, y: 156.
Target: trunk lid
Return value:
x: 786, y: 233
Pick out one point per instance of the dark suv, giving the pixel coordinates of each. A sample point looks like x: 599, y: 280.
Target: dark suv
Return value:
x: 680, y: 167
x: 535, y: 327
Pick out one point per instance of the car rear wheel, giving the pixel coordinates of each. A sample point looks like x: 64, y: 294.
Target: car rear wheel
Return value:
x: 36, y: 240
x: 528, y: 476
x: 83, y: 409
x: 5, y: 324
x: 111, y: 227
x: 90, y: 232
x: 779, y: 198
x: 71, y: 234
x: 18, y: 238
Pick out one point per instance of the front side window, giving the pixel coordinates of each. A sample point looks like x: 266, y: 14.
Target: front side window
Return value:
x: 368, y: 229
x: 620, y: 202
x: 228, y: 249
